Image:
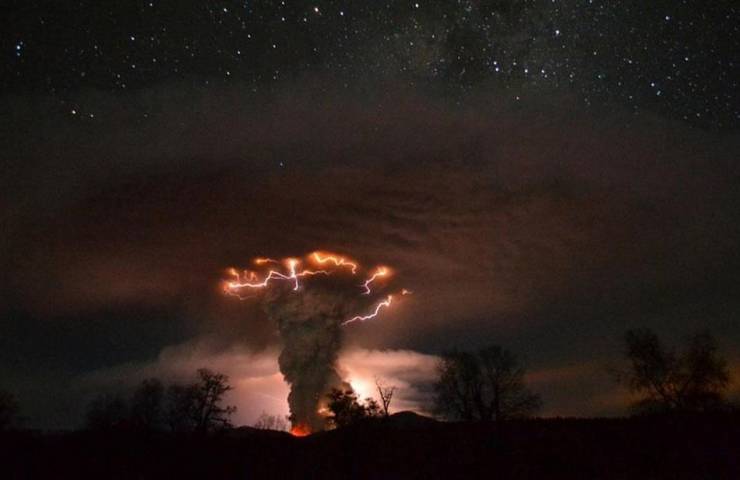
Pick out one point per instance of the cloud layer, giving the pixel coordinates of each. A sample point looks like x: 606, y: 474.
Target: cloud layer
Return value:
x: 536, y: 224
x: 258, y: 385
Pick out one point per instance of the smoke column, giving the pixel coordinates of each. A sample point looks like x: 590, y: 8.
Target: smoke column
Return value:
x: 310, y: 308
x: 310, y: 327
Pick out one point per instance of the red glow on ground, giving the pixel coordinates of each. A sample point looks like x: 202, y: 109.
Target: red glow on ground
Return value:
x: 300, y: 430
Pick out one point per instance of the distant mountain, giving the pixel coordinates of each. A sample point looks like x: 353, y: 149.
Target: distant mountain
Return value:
x: 408, y: 418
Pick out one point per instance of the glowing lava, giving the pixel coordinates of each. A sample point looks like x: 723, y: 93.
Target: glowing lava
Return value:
x: 300, y: 430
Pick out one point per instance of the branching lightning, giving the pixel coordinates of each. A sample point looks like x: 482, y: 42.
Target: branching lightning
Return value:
x: 292, y: 271
x: 252, y: 277
x: 361, y: 318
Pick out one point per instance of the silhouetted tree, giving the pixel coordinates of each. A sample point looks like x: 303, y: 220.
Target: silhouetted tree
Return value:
x: 486, y: 385
x: 271, y: 422
x: 457, y: 386
x: 385, y: 393
x: 147, y: 405
x: 106, y: 412
x: 209, y: 412
x: 694, y: 380
x: 345, y: 408
x: 198, y: 406
x: 504, y: 394
x: 9, y: 410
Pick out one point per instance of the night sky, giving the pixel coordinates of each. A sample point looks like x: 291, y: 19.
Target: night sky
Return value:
x: 543, y: 175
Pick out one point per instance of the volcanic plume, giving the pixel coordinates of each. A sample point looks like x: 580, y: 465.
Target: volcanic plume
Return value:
x: 310, y: 306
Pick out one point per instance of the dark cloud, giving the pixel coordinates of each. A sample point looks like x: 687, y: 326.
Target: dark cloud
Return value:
x: 544, y: 228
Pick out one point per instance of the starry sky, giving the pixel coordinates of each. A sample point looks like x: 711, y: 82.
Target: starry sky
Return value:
x: 670, y: 56
x: 543, y: 175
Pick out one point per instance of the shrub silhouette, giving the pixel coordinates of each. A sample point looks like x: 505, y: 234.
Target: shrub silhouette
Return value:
x: 271, y: 422
x: 668, y: 381
x: 106, y: 412
x: 9, y: 410
x: 345, y: 408
x: 147, y: 405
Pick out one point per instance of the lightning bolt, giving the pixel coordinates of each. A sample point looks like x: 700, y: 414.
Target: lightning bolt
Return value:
x: 380, y: 272
x: 338, y: 261
x: 262, y: 261
x: 384, y: 304
x: 251, y: 281
x: 292, y: 275
x: 361, y: 318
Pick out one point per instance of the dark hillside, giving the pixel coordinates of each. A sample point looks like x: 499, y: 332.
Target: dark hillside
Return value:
x: 405, y: 446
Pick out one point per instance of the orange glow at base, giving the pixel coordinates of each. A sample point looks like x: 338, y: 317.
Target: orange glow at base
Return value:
x: 300, y: 430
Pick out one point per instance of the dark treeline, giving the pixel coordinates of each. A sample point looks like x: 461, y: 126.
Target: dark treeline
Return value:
x: 194, y: 407
x: 683, y: 427
x: 489, y: 384
x: 485, y: 385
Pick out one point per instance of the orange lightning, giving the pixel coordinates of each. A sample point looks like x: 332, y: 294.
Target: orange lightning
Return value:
x: 338, y: 261
x: 262, y: 261
x: 361, y: 318
x: 384, y: 304
x: 380, y: 272
x: 252, y: 281
x: 293, y: 276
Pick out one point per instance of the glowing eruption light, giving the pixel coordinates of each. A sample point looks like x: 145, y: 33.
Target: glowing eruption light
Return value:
x: 300, y: 430
x: 310, y: 314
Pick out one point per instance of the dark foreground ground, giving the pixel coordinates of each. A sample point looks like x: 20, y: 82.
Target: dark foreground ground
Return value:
x: 406, y: 446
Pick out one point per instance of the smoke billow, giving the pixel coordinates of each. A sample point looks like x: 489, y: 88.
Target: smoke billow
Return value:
x: 310, y: 325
